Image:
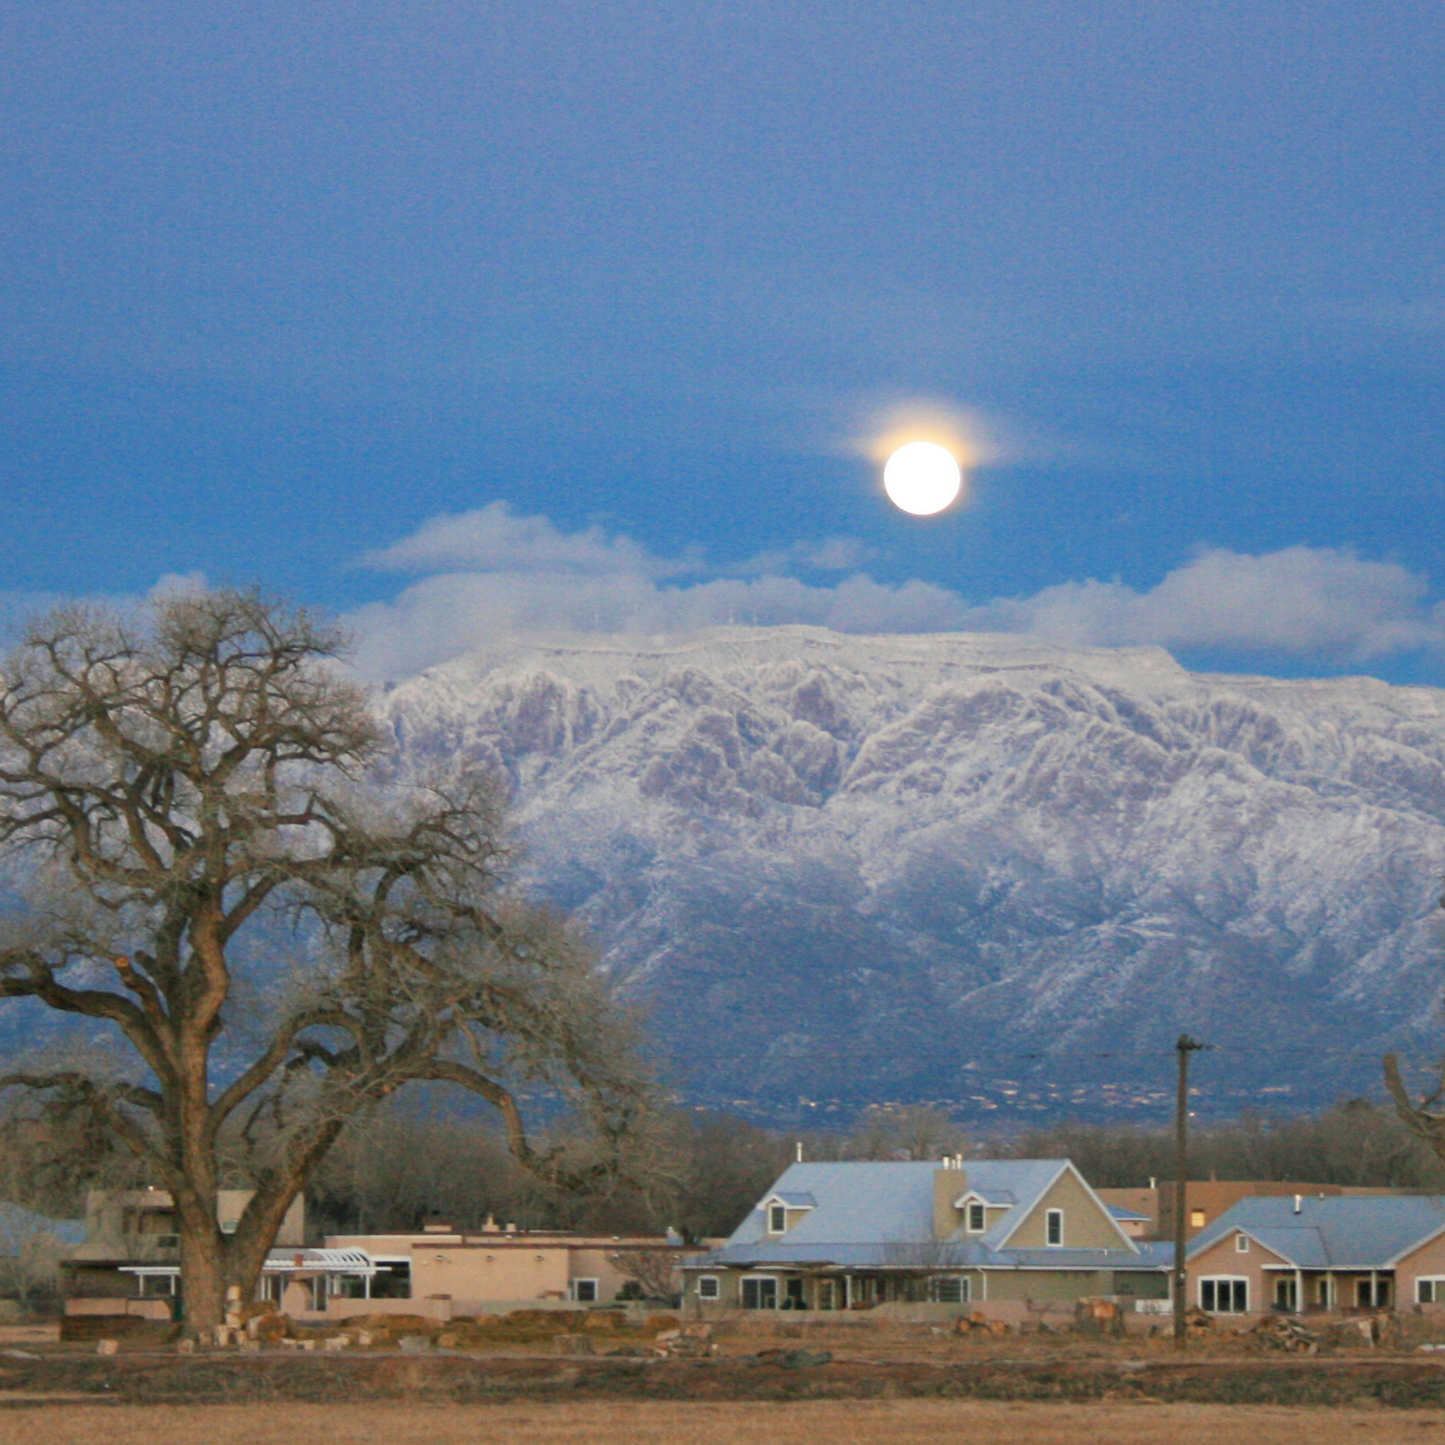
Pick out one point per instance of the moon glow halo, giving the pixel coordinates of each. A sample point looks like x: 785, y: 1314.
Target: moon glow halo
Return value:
x: 922, y: 478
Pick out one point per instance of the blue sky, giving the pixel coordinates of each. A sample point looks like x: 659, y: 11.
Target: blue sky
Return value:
x: 458, y: 317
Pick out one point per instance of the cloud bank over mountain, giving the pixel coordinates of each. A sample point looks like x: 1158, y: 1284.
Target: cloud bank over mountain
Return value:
x: 492, y: 572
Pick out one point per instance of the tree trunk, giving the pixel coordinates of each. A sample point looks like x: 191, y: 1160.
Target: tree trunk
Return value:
x: 203, y: 1273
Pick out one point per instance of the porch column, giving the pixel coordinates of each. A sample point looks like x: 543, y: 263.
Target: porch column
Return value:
x: 1299, y: 1292
x: 1329, y: 1289
x: 847, y: 1291
x: 1374, y: 1290
x: 983, y: 1284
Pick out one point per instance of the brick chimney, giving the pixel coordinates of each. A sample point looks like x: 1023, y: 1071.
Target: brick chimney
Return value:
x: 949, y: 1181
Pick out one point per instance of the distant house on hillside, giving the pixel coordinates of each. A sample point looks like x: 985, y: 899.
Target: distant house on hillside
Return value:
x: 856, y: 1235
x: 1298, y: 1253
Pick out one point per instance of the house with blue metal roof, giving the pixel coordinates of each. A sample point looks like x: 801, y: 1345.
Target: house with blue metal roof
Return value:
x: 1307, y: 1252
x: 855, y: 1234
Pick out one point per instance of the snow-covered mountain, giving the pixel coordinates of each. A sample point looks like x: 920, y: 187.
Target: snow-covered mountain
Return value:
x: 850, y: 868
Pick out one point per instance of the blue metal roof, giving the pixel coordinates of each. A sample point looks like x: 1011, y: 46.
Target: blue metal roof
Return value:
x: 970, y: 1254
x: 794, y: 1199
x: 1121, y: 1213
x: 1337, y: 1232
x: 880, y: 1215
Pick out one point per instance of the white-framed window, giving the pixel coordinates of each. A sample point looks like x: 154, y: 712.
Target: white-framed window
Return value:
x: 1054, y: 1227
x: 1241, y: 1244
x: 759, y: 1292
x: 1224, y: 1294
x: 709, y: 1287
x: 949, y: 1289
x: 584, y: 1291
x: 977, y: 1218
x: 777, y: 1219
x: 1431, y: 1290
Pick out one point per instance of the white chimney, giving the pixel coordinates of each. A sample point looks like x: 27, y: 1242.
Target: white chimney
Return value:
x: 1299, y: 1200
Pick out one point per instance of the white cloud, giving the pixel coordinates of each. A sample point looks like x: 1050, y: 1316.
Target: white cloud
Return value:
x: 1299, y: 600
x: 495, y: 539
x: 498, y: 575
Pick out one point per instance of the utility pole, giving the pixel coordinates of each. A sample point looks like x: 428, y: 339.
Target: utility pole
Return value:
x: 1185, y: 1047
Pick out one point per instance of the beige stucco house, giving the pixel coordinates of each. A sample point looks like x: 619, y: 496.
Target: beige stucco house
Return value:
x: 1302, y: 1253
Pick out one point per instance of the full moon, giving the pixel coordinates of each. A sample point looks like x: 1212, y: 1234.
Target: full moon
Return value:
x: 922, y: 478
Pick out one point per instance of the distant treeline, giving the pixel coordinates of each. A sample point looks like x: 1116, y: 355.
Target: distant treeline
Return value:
x: 701, y: 1172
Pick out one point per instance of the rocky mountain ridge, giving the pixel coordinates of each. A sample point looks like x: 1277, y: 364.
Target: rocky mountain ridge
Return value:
x: 970, y: 868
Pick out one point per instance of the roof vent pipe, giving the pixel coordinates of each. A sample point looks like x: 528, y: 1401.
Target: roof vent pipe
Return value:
x: 1299, y: 1200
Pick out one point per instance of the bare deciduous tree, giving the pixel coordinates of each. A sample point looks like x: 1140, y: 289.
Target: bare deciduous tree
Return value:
x: 283, y: 935
x: 656, y: 1273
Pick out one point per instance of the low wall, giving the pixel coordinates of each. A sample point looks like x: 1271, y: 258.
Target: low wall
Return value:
x: 145, y: 1309
x: 436, y: 1308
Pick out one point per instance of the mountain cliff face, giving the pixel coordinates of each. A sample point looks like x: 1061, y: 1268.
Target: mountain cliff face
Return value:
x: 971, y: 868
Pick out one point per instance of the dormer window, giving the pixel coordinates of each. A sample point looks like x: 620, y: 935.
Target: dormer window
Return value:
x: 1054, y: 1228
x: 777, y: 1219
x: 976, y: 1218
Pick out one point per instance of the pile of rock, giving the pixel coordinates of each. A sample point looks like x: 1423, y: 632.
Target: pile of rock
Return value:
x: 1284, y: 1332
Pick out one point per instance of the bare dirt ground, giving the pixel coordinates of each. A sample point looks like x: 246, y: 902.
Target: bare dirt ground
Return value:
x: 909, y: 1422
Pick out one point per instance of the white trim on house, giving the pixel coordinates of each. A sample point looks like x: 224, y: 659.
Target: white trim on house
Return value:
x: 1214, y: 1281
x: 759, y: 1280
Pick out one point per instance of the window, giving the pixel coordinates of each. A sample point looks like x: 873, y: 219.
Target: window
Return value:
x: 793, y: 1296
x: 230, y: 1226
x: 1241, y: 1244
x: 584, y: 1291
x: 825, y: 1294
x: 1196, y: 1219
x: 760, y: 1292
x: 1224, y: 1295
x: 950, y: 1289
x: 1381, y: 1293
x: 777, y: 1219
x: 1284, y: 1293
x: 976, y: 1219
x: 709, y: 1287
x: 1054, y: 1227
x: 1430, y: 1291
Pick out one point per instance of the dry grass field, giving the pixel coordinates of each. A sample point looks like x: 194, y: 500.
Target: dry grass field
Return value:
x: 909, y: 1422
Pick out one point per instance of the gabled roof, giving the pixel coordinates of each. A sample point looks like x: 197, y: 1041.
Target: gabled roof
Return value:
x: 790, y: 1199
x: 1331, y: 1233
x: 994, y: 1199
x: 881, y: 1213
